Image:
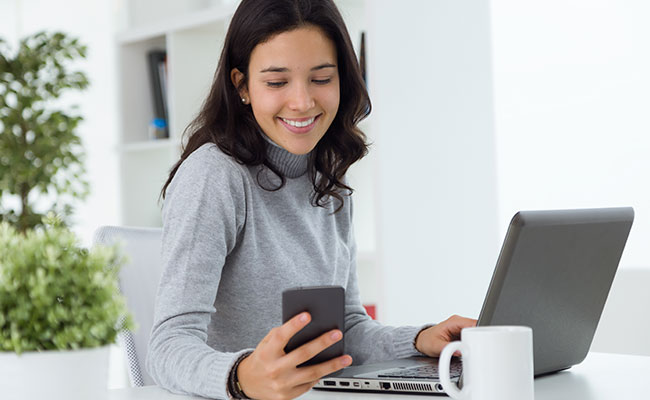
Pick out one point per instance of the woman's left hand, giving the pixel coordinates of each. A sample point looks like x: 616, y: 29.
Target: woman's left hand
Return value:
x: 432, y: 340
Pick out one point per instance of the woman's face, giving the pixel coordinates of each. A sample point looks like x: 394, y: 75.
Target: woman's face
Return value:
x: 293, y: 87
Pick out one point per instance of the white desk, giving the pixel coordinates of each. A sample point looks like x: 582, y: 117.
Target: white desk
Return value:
x: 600, y: 377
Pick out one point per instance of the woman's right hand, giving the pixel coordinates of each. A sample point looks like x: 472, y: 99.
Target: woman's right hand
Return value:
x: 270, y: 373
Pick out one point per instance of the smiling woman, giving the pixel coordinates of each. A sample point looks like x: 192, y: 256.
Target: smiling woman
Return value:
x: 258, y: 203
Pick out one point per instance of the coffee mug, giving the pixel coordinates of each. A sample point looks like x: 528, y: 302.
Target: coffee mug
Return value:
x: 497, y: 364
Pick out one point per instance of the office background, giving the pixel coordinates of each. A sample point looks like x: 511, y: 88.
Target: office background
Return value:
x: 481, y: 108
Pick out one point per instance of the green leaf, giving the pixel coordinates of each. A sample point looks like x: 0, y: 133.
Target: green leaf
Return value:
x: 54, y: 294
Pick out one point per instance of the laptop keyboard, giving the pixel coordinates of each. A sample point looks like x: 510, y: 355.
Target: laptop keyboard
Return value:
x: 421, y: 372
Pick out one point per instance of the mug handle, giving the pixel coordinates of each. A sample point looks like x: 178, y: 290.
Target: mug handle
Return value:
x: 443, y: 367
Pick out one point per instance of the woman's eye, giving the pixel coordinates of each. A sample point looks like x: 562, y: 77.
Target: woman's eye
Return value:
x: 322, y: 81
x: 275, y: 84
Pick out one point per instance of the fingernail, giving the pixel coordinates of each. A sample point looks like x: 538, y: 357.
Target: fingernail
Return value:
x: 346, y: 361
x: 336, y: 335
x: 303, y: 317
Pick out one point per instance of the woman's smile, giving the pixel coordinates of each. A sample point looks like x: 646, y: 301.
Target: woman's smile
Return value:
x: 299, y: 125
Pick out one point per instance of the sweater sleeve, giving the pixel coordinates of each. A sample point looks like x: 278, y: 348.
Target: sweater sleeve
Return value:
x: 366, y: 340
x: 204, y: 211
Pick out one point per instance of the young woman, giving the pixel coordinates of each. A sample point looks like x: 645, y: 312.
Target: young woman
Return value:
x: 258, y: 203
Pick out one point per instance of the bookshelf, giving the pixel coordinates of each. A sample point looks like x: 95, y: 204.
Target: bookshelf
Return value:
x: 196, y: 35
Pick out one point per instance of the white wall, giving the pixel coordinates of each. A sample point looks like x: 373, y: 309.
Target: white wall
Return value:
x: 92, y: 22
x: 430, y: 82
x: 624, y: 327
x: 10, y: 23
x: 572, y: 99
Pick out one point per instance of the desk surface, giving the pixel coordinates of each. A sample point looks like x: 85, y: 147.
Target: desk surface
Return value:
x: 600, y: 377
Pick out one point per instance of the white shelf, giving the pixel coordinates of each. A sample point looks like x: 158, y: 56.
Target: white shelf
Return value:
x: 192, y: 40
x: 191, y: 35
x: 195, y: 20
x: 150, y: 145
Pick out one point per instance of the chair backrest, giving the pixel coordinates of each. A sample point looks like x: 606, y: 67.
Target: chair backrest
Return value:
x: 624, y: 325
x: 139, y: 280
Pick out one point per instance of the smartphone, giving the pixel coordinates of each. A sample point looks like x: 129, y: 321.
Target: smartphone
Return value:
x: 326, y: 304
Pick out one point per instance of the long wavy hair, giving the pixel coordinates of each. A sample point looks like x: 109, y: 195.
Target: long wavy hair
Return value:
x: 228, y: 123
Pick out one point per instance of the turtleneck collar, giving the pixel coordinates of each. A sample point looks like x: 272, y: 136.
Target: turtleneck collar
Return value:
x: 289, y: 164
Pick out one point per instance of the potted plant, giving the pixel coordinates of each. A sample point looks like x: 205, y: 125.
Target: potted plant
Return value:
x: 41, y: 156
x: 60, y: 308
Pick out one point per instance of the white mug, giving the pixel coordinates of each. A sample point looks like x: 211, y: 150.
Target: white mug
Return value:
x: 497, y: 364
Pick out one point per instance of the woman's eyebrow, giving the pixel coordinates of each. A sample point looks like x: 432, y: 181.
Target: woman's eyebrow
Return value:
x: 322, y: 66
x: 285, y: 69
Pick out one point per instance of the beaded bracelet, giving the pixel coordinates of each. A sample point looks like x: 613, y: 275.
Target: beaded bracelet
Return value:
x: 233, y: 381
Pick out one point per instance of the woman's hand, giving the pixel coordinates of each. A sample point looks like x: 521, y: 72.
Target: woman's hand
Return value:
x: 432, y: 340
x: 270, y: 373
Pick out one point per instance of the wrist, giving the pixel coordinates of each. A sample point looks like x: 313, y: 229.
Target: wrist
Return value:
x: 417, y: 337
x: 417, y: 342
x: 234, y: 381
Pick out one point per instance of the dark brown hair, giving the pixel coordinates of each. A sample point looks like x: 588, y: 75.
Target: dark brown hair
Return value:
x: 228, y: 123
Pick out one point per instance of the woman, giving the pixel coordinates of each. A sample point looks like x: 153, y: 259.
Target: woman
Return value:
x: 258, y: 203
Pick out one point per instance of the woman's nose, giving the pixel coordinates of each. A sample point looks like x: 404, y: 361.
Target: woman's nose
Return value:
x: 301, y: 99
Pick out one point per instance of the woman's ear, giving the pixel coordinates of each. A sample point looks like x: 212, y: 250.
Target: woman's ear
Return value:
x: 236, y: 76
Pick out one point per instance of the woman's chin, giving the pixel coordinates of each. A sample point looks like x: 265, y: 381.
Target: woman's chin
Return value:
x: 299, y: 148
x: 300, y: 151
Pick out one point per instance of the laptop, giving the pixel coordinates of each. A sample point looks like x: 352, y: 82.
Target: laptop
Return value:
x: 553, y: 274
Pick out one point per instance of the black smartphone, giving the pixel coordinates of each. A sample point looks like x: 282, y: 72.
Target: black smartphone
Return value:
x: 326, y: 304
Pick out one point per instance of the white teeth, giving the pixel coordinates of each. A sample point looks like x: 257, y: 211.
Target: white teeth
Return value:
x: 299, y: 124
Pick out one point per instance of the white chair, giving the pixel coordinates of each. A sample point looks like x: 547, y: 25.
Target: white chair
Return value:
x: 139, y: 280
x: 624, y: 326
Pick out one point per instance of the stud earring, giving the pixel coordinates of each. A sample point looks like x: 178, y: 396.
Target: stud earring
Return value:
x: 243, y: 100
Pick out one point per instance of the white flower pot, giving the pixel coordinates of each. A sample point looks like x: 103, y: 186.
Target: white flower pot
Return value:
x: 55, y: 375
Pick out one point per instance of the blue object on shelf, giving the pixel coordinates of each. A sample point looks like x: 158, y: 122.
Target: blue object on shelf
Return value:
x: 158, y: 129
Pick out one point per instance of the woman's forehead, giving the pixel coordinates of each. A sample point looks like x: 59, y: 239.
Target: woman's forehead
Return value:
x: 301, y: 49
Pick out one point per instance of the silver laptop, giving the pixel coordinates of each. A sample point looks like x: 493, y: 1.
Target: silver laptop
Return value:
x: 553, y: 274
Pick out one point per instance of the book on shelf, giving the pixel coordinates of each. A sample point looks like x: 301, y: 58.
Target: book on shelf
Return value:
x: 362, y: 57
x: 158, y: 77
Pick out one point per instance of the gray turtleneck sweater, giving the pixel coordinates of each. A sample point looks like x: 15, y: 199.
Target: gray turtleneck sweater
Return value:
x: 229, y: 249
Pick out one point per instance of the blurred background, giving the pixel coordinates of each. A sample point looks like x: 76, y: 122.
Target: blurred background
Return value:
x: 480, y: 109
